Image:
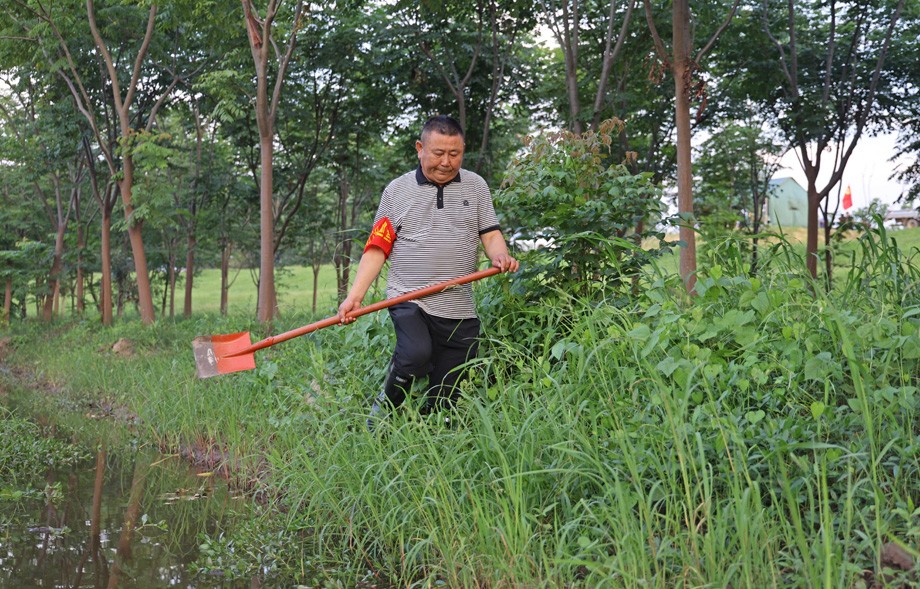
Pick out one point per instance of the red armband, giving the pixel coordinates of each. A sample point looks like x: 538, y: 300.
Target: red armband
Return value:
x: 382, y: 236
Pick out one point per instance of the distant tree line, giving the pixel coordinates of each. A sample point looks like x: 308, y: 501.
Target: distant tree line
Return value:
x: 142, y: 141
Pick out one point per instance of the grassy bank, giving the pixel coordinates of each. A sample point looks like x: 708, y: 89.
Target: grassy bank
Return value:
x: 764, y: 434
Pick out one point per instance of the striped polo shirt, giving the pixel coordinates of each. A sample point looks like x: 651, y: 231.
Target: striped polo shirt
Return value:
x: 438, y: 232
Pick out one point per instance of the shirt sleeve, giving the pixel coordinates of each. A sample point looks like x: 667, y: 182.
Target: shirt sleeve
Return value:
x: 385, y: 208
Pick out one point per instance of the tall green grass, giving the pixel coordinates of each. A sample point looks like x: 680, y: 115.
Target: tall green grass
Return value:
x: 762, y: 434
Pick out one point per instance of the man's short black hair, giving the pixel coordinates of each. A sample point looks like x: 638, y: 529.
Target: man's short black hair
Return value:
x: 442, y: 124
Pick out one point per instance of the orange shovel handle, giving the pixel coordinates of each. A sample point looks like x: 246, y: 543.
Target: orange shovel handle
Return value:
x: 330, y: 321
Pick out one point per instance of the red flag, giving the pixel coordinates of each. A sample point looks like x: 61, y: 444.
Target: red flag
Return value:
x: 847, y: 198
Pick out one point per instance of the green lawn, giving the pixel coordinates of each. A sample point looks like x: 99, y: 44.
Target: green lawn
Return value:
x: 906, y: 238
x: 294, y: 285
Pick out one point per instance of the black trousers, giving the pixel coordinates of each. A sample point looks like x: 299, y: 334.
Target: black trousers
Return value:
x: 430, y: 346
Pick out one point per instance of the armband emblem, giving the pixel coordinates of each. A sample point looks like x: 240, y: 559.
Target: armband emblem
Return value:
x: 382, y: 236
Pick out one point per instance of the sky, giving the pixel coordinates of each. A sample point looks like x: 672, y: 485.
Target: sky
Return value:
x: 866, y: 173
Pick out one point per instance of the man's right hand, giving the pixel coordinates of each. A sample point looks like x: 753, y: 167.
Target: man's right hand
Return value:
x: 347, y: 306
x: 372, y: 261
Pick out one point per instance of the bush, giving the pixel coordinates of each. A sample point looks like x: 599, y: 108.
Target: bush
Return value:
x: 564, y: 189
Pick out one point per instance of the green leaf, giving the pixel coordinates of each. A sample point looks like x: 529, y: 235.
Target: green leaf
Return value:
x: 761, y: 303
x: 910, y: 350
x: 911, y: 312
x: 855, y: 405
x: 667, y: 366
x: 755, y: 416
x: 559, y: 349
x: 640, y: 333
x: 818, y: 367
x: 817, y: 409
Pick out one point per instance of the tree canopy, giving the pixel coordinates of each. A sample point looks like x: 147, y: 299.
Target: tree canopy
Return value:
x: 142, y: 141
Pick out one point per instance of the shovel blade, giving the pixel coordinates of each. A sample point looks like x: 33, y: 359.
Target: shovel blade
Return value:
x: 219, y: 354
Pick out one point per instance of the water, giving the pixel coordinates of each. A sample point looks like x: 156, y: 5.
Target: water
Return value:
x: 131, y: 519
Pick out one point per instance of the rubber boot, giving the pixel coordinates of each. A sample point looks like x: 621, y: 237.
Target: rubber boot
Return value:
x: 392, y: 396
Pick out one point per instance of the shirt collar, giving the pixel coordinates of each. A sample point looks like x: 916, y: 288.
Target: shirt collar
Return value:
x: 422, y: 179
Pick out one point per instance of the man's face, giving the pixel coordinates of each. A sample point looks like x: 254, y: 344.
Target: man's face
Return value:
x: 440, y: 156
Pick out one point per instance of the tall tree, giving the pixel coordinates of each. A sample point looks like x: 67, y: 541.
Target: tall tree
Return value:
x: 464, y: 24
x: 66, y: 195
x: 684, y: 68
x: 472, y: 50
x: 197, y: 198
x: 45, y: 151
x: 138, y: 81
x: 106, y: 197
x: 570, y: 21
x: 17, y: 215
x: 510, y: 24
x: 269, y: 60
x: 827, y: 82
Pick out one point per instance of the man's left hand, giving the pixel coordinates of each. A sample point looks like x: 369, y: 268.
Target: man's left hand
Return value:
x: 505, y: 262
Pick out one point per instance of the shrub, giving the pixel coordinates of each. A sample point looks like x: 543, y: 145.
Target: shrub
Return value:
x: 596, y: 214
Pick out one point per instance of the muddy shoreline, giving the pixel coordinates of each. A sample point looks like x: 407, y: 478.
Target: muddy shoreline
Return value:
x: 204, y: 456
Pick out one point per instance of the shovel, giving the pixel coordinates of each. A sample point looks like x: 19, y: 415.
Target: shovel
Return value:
x: 233, y: 352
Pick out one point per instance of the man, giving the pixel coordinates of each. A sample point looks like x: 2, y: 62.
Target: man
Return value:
x: 429, y: 225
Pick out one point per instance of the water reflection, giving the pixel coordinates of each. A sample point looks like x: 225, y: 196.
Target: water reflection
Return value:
x: 130, y: 521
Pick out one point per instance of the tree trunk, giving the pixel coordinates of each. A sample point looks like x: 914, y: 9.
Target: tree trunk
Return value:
x: 56, y: 298
x: 80, y: 294
x: 54, y: 277
x: 499, y: 60
x: 120, y: 299
x: 144, y: 293
x: 756, y: 215
x: 611, y: 52
x: 165, y: 298
x: 57, y: 264
x: 343, y: 259
x: 811, y: 239
x: 828, y: 265
x: 122, y: 109
x: 171, y: 277
x: 267, y: 309
x: 39, y: 302
x: 191, y: 242
x: 105, y: 257
x: 569, y: 42
x: 262, y: 46
x: 682, y: 71
x: 224, y: 277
